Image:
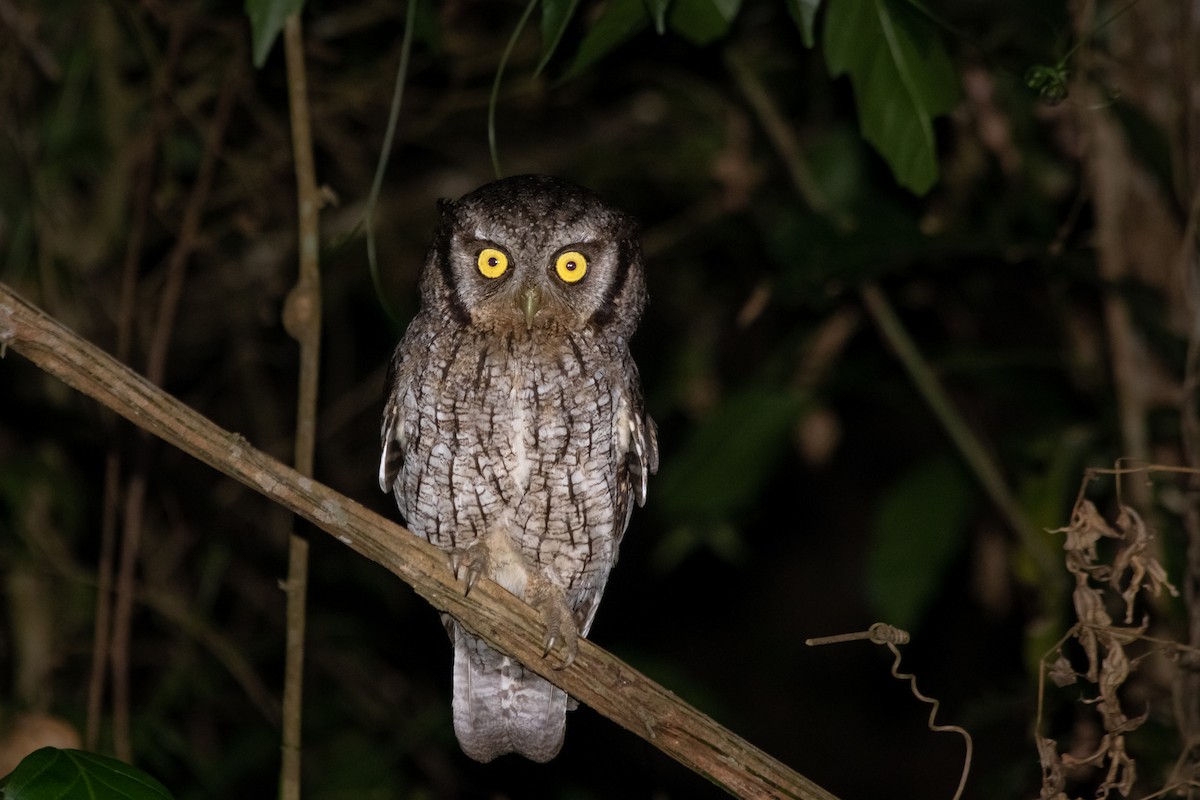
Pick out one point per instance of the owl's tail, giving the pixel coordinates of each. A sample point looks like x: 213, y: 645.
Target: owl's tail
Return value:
x: 501, y: 707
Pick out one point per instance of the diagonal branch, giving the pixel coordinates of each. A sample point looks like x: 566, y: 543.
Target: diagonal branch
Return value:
x: 597, y: 678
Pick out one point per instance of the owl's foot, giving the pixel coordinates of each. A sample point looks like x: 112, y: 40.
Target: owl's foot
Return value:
x: 468, y: 563
x: 495, y: 558
x: 551, y: 604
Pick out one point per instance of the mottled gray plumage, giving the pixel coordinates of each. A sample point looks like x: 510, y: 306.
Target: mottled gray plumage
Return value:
x: 514, y: 433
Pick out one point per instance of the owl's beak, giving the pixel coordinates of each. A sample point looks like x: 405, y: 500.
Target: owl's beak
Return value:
x: 529, y: 301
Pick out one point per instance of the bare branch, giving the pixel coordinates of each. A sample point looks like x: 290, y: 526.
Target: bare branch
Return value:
x: 596, y: 678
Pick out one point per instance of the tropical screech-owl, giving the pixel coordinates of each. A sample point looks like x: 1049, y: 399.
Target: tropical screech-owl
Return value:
x: 514, y: 433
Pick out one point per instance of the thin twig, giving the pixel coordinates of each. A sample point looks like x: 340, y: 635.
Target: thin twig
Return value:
x: 171, y: 603
x: 596, y: 677
x: 156, y: 366
x: 302, y: 318
x: 782, y: 137
x: 973, y: 451
x: 145, y: 151
x: 24, y: 29
x: 1187, y: 683
x: 494, y: 101
x: 410, y: 23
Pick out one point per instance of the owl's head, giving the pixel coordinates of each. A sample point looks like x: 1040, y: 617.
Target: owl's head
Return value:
x: 533, y: 252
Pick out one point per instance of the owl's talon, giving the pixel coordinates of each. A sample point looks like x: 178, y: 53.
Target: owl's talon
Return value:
x: 570, y: 658
x: 468, y: 564
x: 551, y: 604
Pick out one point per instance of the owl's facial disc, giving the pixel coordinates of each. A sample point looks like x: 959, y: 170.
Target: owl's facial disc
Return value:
x: 514, y: 283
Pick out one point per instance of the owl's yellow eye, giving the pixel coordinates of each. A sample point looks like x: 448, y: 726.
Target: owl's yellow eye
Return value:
x: 492, y: 262
x: 571, y: 266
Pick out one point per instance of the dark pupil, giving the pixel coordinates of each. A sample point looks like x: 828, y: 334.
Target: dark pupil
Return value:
x: 571, y: 266
x: 493, y: 261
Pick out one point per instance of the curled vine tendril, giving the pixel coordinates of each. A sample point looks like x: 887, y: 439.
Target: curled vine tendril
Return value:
x: 892, y: 637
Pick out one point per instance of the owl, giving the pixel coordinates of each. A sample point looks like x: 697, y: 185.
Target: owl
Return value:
x: 514, y: 433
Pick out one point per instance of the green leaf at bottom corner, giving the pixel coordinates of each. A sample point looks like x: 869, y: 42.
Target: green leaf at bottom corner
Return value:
x: 902, y: 78
x: 919, y: 529
x: 79, y: 775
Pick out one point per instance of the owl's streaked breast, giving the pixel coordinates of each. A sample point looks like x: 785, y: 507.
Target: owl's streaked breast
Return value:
x: 519, y: 432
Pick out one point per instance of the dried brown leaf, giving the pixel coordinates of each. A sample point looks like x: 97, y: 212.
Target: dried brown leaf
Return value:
x: 1089, y: 607
x: 1054, y: 780
x: 1113, y: 672
x: 1122, y: 771
x: 1062, y: 673
x: 1095, y: 757
x: 1086, y: 529
x: 1144, y: 570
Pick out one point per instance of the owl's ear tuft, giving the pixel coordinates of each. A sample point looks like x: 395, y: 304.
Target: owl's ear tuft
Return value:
x: 447, y: 218
x: 445, y: 206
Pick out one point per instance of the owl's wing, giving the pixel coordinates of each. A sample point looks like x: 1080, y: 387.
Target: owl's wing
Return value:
x: 392, y: 433
x: 639, y: 437
x: 642, y: 458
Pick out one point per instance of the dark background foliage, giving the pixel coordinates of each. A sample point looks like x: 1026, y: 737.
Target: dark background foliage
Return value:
x: 806, y: 486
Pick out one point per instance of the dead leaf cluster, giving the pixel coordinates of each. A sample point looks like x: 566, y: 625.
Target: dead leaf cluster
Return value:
x: 1100, y: 584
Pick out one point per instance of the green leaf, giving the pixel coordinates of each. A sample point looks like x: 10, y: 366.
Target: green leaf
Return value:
x: 556, y: 15
x: 722, y: 471
x: 266, y: 21
x: 53, y: 774
x: 902, y: 79
x: 702, y: 21
x: 619, y: 22
x: 723, y: 466
x: 919, y: 528
x: 804, y: 12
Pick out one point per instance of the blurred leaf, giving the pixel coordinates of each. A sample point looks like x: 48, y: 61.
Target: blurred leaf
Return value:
x: 918, y: 530
x: 720, y: 538
x: 53, y: 774
x: 1047, y: 492
x: 702, y: 21
x: 266, y: 21
x: 804, y: 12
x: 721, y: 469
x: 556, y: 15
x: 902, y: 80
x: 657, y: 9
x: 619, y: 22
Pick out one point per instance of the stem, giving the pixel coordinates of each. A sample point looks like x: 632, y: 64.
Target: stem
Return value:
x: 977, y: 456
x: 782, y: 137
x: 410, y: 21
x: 302, y: 318
x: 495, y: 98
